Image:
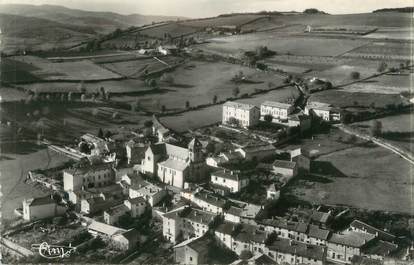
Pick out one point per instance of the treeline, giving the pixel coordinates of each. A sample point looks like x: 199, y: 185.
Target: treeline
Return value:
x: 400, y: 10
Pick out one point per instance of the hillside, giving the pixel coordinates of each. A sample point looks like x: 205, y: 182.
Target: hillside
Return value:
x: 102, y: 22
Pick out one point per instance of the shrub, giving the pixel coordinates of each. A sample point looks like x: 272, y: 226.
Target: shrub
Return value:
x: 355, y: 75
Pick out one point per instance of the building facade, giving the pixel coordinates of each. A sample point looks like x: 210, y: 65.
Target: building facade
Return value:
x: 246, y: 115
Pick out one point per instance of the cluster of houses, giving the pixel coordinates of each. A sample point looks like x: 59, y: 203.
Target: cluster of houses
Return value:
x: 248, y: 115
x: 199, y: 184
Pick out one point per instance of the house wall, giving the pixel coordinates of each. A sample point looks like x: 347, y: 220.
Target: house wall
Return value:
x: 277, y: 113
x: 232, y: 218
x: 224, y: 239
x: 246, y: 118
x: 136, y: 209
x: 94, y: 178
x: 287, y: 258
x: 171, y: 176
x: 170, y: 229
x: 186, y: 255
x: 31, y: 213
x: 149, y: 163
x: 287, y: 172
x: 233, y: 185
x: 341, y: 253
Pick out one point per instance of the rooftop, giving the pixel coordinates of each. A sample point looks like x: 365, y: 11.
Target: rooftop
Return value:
x: 351, y: 238
x: 285, y: 224
x: 41, y: 201
x: 381, y: 248
x: 275, y: 104
x: 258, y: 148
x: 210, y: 198
x: 284, y: 164
x: 298, y: 248
x: 148, y: 189
x: 117, y: 210
x: 91, y: 138
x: 174, y: 164
x: 316, y: 232
x: 137, y: 200
x: 228, y: 174
x: 105, y: 229
x: 320, y: 217
x: 372, y: 230
x: 87, y: 169
x: 239, y: 105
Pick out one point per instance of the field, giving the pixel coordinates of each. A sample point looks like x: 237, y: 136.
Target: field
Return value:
x: 136, y: 68
x: 392, y: 33
x: 174, y: 29
x: 11, y: 94
x: 397, y: 129
x: 128, y: 86
x: 206, y: 116
x: 235, y: 20
x: 357, y: 176
x: 66, y: 71
x: 383, y: 50
x: 282, y: 44
x: 198, y: 82
x: 343, y: 99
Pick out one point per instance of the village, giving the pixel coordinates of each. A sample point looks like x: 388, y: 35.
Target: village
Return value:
x: 214, y: 195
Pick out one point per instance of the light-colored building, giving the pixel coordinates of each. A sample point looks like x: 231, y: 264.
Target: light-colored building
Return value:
x: 150, y: 192
x: 95, y: 204
x: 288, y: 169
x: 286, y: 229
x: 256, y: 151
x: 135, y: 152
x: 343, y: 246
x: 207, y: 201
x: 192, y: 251
x: 97, y: 145
x: 112, y: 215
x: 233, y: 181
x: 323, y: 110
x: 173, y: 164
x: 92, y: 176
x: 246, y: 115
x: 359, y: 226
x: 279, y: 111
x: 241, y: 212
x: 185, y: 223
x: 42, y: 207
x: 134, y: 207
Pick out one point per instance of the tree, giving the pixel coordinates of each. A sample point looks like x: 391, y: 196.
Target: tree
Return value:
x: 187, y: 104
x: 152, y: 83
x: 84, y: 148
x: 108, y: 134
x: 148, y: 123
x: 163, y: 108
x: 376, y: 128
x: 233, y: 121
x: 355, y: 75
x: 382, y: 67
x: 327, y: 85
x: 215, y: 99
x: 268, y: 118
x: 100, y: 133
x: 236, y: 91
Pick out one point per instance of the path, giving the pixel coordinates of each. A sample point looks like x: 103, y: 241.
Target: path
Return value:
x: 403, y: 154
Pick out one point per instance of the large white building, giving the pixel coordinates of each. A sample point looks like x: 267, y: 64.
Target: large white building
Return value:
x: 94, y: 176
x: 246, y: 115
x: 42, y: 207
x: 230, y: 180
x: 173, y: 164
x: 278, y: 110
x: 323, y: 110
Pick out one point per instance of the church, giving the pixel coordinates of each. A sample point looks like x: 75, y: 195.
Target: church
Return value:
x: 174, y: 164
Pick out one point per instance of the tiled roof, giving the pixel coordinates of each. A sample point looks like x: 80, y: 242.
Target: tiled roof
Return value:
x: 210, y: 198
x: 372, y: 230
x: 316, y: 232
x: 250, y: 233
x: 275, y: 104
x: 239, y: 105
x: 226, y: 228
x: 117, y: 210
x: 137, y: 200
x: 285, y: 224
x: 284, y: 245
x: 227, y: 174
x: 258, y: 148
x: 176, y: 151
x: 360, y: 260
x: 92, y: 138
x: 174, y: 164
x: 130, y: 234
x: 320, y: 217
x: 381, y: 248
x: 105, y: 229
x: 199, y: 216
x: 284, y: 164
x: 86, y: 169
x: 41, y: 201
x: 351, y: 238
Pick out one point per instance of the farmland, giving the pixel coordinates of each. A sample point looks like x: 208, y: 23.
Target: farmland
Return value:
x: 356, y: 177
x: 281, y: 44
x: 174, y: 29
x: 235, y: 20
x: 392, y: 33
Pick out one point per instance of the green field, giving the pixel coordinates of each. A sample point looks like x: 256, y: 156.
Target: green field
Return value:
x: 367, y: 177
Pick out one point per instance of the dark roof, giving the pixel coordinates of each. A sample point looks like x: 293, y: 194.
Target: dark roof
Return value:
x: 285, y: 245
x: 210, y: 198
x: 41, y: 201
x: 158, y: 149
x: 320, y: 217
x: 258, y: 148
x: 381, y: 248
x: 199, y: 216
x: 360, y: 260
x: 284, y: 164
x: 88, y: 168
x: 226, y: 228
x: 229, y: 174
x: 234, y: 211
x: 316, y: 232
x: 372, y: 230
x: 285, y: 224
x: 263, y: 260
x: 351, y: 239
x: 137, y: 200
x: 131, y: 234
x: 250, y: 233
x: 119, y: 209
x: 201, y: 245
